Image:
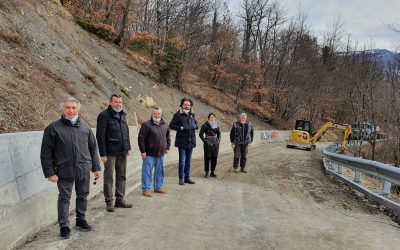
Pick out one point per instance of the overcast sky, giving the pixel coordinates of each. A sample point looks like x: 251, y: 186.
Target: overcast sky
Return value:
x: 364, y: 20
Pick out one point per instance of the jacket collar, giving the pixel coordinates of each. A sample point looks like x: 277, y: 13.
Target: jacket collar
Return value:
x: 161, y: 121
x: 183, y: 113
x: 68, y: 122
x: 216, y: 124
x: 115, y: 114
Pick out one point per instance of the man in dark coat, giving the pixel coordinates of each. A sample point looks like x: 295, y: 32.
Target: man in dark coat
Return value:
x: 68, y: 154
x: 154, y: 142
x: 211, y: 136
x: 114, y: 146
x: 185, y: 124
x: 241, y: 136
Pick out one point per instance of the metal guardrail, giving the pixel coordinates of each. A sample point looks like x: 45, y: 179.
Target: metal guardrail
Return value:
x: 335, y: 162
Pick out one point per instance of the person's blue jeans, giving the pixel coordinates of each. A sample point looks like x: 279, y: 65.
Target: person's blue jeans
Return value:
x: 185, y: 157
x: 147, y: 168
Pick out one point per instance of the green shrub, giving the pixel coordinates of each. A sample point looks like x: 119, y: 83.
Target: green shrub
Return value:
x: 102, y: 30
x: 126, y: 91
x: 143, y: 46
x: 171, y: 63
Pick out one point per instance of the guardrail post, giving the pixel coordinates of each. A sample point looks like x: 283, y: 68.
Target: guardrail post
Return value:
x: 330, y: 166
x: 340, y: 169
x: 357, y: 177
x: 386, y: 189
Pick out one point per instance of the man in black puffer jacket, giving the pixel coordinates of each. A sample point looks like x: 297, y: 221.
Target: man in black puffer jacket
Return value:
x: 185, y: 124
x: 68, y: 154
x: 114, y: 146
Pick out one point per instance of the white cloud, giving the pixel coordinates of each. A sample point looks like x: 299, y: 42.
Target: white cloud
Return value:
x: 365, y: 20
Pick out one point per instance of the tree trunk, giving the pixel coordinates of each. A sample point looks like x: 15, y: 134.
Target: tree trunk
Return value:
x: 109, y: 9
x: 159, y: 20
x: 121, y: 34
x: 145, y: 21
x: 64, y: 1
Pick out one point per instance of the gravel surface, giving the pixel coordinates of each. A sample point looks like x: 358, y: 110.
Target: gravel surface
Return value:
x: 285, y: 201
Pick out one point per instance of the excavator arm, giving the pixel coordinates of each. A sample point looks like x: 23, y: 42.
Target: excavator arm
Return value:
x: 345, y: 127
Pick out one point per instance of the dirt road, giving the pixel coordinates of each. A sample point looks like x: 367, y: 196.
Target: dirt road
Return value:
x: 284, y: 202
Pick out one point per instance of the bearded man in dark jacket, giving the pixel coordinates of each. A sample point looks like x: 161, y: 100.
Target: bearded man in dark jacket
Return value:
x: 185, y: 124
x: 68, y: 154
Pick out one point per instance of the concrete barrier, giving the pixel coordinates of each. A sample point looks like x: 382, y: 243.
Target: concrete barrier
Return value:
x: 28, y: 202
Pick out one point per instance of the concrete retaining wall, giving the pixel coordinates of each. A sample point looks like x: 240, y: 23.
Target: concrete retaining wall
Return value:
x: 28, y: 202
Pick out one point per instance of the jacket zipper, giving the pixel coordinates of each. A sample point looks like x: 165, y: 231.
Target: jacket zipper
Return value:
x: 76, y: 177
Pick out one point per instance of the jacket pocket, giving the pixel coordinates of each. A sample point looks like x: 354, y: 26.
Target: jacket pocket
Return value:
x: 112, y: 140
x: 65, y: 171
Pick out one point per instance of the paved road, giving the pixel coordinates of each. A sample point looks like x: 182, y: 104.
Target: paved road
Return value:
x: 284, y: 202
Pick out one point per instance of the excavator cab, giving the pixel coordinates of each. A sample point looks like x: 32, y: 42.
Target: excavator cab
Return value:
x: 304, y: 125
x: 301, y: 135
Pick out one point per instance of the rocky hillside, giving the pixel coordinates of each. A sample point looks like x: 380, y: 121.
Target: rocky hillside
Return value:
x: 45, y: 57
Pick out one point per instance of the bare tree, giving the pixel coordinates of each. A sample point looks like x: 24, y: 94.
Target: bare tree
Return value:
x: 122, y: 31
x: 393, y: 112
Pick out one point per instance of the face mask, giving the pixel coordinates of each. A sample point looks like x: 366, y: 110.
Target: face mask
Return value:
x: 117, y: 110
x: 186, y: 111
x: 156, y: 119
x: 73, y: 120
x: 242, y: 122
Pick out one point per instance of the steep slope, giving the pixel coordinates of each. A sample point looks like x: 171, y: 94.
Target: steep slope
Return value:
x: 45, y: 57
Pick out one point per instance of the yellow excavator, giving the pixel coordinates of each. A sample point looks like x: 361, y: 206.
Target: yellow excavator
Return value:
x: 302, y: 136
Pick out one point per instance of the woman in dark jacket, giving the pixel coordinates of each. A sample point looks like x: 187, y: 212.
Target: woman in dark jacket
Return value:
x: 211, y: 136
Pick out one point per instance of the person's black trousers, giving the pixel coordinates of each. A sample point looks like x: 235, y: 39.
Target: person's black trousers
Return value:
x: 208, y: 161
x: 240, y: 154
x: 64, y: 197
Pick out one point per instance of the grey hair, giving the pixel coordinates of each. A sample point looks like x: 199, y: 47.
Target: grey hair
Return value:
x: 243, y: 114
x: 70, y: 99
x: 157, y: 108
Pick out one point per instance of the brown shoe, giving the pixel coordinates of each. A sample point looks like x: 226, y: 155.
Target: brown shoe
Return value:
x: 181, y: 182
x: 147, y: 193
x: 122, y: 204
x: 110, y: 207
x: 161, y: 191
x: 189, y: 181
